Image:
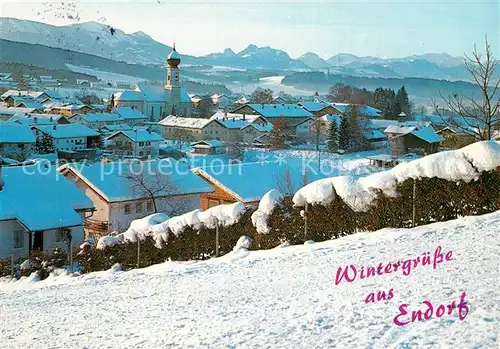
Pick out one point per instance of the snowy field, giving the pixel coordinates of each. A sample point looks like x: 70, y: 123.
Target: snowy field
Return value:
x: 281, y: 298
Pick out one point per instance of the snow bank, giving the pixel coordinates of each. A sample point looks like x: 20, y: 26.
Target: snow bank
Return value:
x: 358, y: 192
x: 267, y: 204
x: 159, y: 225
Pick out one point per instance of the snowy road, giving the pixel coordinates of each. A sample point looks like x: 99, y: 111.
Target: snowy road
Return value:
x: 283, y: 298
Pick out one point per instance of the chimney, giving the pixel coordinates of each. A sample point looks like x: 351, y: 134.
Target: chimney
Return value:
x: 54, y: 127
x: 244, y: 116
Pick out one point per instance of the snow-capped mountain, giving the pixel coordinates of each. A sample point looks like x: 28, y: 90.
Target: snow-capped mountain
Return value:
x: 139, y: 48
x: 314, y: 61
x: 89, y: 37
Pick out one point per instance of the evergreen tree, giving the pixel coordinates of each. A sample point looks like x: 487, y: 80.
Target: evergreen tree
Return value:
x: 46, y: 144
x: 344, y: 133
x: 333, y: 136
x: 403, y: 101
x: 355, y: 139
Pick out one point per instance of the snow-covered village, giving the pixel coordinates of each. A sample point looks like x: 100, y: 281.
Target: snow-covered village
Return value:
x: 249, y: 175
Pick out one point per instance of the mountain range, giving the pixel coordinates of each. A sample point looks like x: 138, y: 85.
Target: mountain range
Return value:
x: 139, y: 48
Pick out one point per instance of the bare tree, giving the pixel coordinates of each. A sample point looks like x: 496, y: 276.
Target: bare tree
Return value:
x: 148, y: 185
x: 234, y: 146
x: 284, y: 181
x: 181, y: 136
x: 480, y: 118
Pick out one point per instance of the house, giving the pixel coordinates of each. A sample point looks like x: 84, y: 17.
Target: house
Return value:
x: 48, y: 81
x: 386, y: 160
x: 131, y: 116
x: 294, y: 115
x: 15, y: 140
x: 83, y: 83
x: 364, y: 110
x: 97, y: 120
x: 118, y: 199
x: 211, y: 147
x: 139, y: 143
x: 418, y: 139
x: 68, y: 110
x: 72, y: 137
x: 39, y: 211
x: 190, y: 129
x: 248, y: 182
x: 241, y: 127
x: 376, y: 138
x: 157, y: 101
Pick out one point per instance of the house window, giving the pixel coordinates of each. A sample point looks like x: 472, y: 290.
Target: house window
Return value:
x: 128, y: 209
x: 148, y: 143
x: 149, y: 206
x: 141, y: 153
x: 141, y: 144
x: 18, y: 238
x: 138, y: 208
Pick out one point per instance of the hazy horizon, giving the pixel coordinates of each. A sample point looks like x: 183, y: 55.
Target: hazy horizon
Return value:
x: 389, y: 29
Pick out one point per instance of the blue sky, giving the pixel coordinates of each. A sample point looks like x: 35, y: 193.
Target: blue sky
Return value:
x: 378, y: 28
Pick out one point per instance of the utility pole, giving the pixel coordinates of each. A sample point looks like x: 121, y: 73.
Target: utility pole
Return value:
x: 138, y: 252
x: 217, y: 239
x: 414, y: 203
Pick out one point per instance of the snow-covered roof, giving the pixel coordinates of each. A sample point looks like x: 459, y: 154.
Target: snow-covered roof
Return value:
x: 151, y: 93
x: 374, y: 134
x: 111, y: 182
x: 14, y: 133
x: 380, y: 123
x: 101, y: 117
x: 314, y: 106
x: 331, y: 118
x: 427, y: 134
x: 40, y: 200
x: 364, y: 109
x: 128, y: 96
x: 12, y: 111
x: 281, y: 110
x: 248, y: 182
x: 29, y: 104
x: 129, y: 113
x: 115, y: 128
x: 69, y: 106
x: 220, y: 115
x: 397, y: 129
x: 179, y: 121
x: 139, y: 135
x: 67, y: 131
x: 17, y: 93
x: 214, y: 143
x: 39, y: 119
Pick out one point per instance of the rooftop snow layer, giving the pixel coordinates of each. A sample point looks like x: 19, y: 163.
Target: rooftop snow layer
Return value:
x: 358, y: 192
x: 39, y: 200
x: 281, y: 110
x: 110, y: 179
x: 14, y: 133
x: 139, y: 135
x: 179, y: 121
x: 68, y: 131
x: 129, y: 113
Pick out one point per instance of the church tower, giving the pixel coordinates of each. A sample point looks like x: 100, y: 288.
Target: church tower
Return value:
x: 173, y: 85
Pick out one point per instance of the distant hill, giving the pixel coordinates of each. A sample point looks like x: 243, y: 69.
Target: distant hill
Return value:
x: 417, y: 87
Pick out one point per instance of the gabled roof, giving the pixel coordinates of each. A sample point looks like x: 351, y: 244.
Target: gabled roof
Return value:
x: 38, y: 119
x: 67, y: 131
x: 12, y: 111
x: 14, y: 133
x: 111, y: 182
x: 427, y: 134
x: 374, y: 134
x: 214, y: 143
x: 280, y: 110
x: 315, y: 106
x: 139, y: 135
x: 179, y: 121
x: 240, y: 179
x: 398, y: 129
x: 101, y: 117
x: 116, y: 128
x: 129, y: 113
x: 128, y: 96
x: 40, y: 201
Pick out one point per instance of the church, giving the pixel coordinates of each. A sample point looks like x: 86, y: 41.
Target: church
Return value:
x: 156, y: 101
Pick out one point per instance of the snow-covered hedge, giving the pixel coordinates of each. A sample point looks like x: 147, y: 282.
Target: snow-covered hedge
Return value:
x: 464, y: 164
x: 267, y: 204
x: 159, y: 226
